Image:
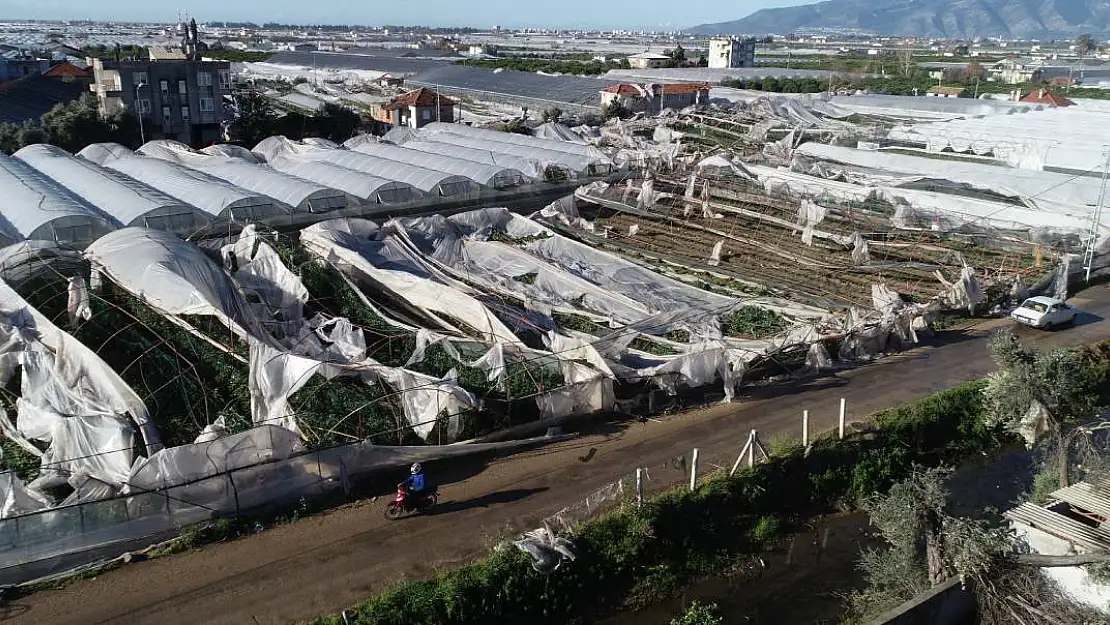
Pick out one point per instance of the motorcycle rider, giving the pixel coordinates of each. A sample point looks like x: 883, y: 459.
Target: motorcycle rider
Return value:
x: 415, y: 484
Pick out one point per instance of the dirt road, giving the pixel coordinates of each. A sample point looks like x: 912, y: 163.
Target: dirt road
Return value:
x: 327, y: 562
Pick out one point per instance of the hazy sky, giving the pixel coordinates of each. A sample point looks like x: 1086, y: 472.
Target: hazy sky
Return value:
x: 651, y: 14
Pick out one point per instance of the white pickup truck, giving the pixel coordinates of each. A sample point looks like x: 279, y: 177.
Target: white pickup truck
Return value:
x: 1045, y: 313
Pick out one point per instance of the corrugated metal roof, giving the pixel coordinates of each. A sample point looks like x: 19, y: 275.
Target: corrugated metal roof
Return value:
x: 1060, y: 526
x: 1086, y: 497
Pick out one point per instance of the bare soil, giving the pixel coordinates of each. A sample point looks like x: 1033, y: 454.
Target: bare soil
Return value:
x: 324, y: 563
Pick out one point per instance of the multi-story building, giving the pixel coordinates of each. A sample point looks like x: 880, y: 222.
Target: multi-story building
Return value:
x: 174, y: 98
x: 728, y: 52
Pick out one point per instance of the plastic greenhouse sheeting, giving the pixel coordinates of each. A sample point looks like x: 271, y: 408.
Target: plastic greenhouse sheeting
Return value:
x: 530, y: 168
x: 575, y: 163
x: 359, y: 185
x: 172, y: 276
x: 215, y: 196
x: 101, y: 153
x: 485, y: 175
x: 132, y: 202
x: 940, y: 210
x: 69, y: 398
x: 38, y: 207
x: 359, y: 244
x: 508, y: 137
x: 228, y: 150
x: 914, y: 107
x: 1057, y: 193
x: 1070, y: 138
x: 297, y: 193
x: 429, y: 181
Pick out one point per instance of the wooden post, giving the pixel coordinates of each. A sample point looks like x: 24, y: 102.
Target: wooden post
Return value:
x: 751, y: 450
x: 639, y: 486
x: 694, y: 470
x: 743, y: 452
x: 805, y: 428
x: 842, y: 418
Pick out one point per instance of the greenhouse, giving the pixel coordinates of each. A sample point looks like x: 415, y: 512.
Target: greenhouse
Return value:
x: 532, y: 168
x: 228, y: 150
x: 297, y: 193
x: 428, y: 181
x: 214, y: 196
x: 485, y: 175
x: 101, y: 153
x: 132, y: 202
x: 575, y: 163
x: 508, y: 137
x: 39, y: 208
x: 363, y: 187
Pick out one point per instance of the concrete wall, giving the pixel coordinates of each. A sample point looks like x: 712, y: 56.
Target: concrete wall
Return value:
x: 947, y: 604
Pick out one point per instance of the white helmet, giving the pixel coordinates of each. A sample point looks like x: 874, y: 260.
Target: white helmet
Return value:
x: 415, y: 468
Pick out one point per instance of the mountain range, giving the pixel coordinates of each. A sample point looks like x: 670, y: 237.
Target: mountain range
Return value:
x: 953, y: 19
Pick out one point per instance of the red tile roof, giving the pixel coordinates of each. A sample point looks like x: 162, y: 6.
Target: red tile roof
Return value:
x: 630, y: 90
x: 64, y: 69
x: 684, y: 87
x: 1044, y: 96
x: 625, y: 89
x: 420, y: 98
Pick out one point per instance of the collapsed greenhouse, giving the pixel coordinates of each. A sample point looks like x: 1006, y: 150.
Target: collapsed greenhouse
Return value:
x: 128, y: 200
x: 355, y: 344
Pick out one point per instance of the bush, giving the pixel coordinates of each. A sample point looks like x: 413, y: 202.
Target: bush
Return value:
x: 699, y: 614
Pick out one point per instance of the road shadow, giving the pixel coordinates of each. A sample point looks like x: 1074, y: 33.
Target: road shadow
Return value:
x: 1085, y: 318
x: 9, y: 610
x: 793, y: 386
x: 500, y: 497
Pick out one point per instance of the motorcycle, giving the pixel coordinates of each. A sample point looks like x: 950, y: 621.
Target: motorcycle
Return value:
x: 404, y: 503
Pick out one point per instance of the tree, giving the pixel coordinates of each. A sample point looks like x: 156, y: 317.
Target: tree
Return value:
x: 552, y: 114
x: 74, y: 125
x: 975, y: 71
x: 614, y: 109
x: 252, y: 118
x: 698, y: 613
x: 926, y: 546
x: 702, y: 61
x: 337, y: 123
x: 677, y: 57
x: 1085, y: 44
x: 9, y: 138
x: 1037, y: 395
x: 31, y: 133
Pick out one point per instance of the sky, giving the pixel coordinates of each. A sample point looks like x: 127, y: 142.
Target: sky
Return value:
x: 648, y: 14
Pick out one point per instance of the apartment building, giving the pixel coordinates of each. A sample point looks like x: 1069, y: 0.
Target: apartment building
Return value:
x: 180, y: 99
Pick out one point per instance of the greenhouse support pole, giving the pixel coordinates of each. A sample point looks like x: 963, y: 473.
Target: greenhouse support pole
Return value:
x: 842, y: 418
x: 694, y: 470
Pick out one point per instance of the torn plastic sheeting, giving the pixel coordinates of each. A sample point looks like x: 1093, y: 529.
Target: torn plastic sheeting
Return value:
x: 22, y: 260
x: 424, y: 397
x: 261, y: 270
x: 186, y: 463
x: 64, y: 382
x: 16, y: 499
x: 388, y: 262
x: 884, y: 299
x: 594, y: 394
x: 212, y: 431
x: 173, y: 276
x: 499, y: 267
x: 77, y: 305
x: 274, y: 377
x: 548, y: 552
x: 966, y: 292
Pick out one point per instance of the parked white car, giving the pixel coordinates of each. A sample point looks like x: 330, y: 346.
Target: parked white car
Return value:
x: 1044, y: 313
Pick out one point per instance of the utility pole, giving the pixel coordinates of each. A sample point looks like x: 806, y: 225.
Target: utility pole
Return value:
x: 1096, y: 221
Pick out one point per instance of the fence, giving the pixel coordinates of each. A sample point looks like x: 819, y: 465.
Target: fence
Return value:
x: 222, y: 484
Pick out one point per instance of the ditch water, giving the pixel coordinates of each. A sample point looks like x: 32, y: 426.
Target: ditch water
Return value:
x: 807, y: 577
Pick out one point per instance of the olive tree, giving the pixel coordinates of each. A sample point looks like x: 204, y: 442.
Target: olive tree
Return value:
x: 1038, y: 395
